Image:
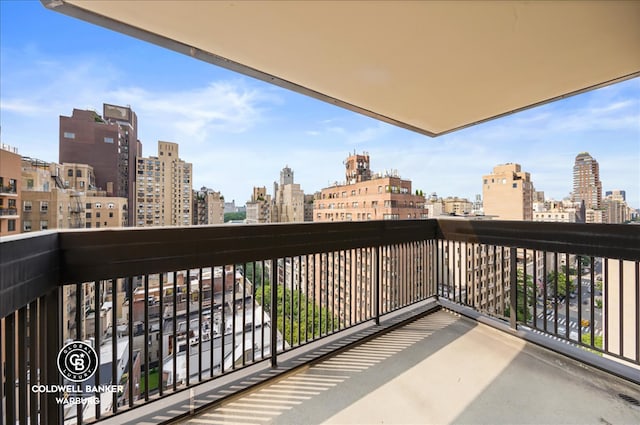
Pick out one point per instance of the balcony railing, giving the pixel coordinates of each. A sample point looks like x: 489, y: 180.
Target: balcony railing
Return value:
x: 8, y: 190
x: 173, y: 308
x: 8, y: 212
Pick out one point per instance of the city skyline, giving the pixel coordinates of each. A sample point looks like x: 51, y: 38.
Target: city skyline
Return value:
x: 239, y: 132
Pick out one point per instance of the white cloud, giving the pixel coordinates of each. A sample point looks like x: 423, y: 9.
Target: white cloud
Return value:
x: 198, y: 114
x: 368, y: 134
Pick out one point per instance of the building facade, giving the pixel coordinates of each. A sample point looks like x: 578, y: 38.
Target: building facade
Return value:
x: 507, y: 193
x: 109, y: 143
x: 63, y: 196
x: 587, y: 186
x: 457, y: 206
x: 367, y: 196
x: 288, y: 205
x: 259, y: 206
x: 208, y: 207
x: 10, y: 188
x: 163, y: 189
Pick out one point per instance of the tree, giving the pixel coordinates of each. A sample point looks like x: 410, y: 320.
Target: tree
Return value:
x: 523, y: 313
x: 300, y: 316
x: 585, y: 262
x: 234, y: 216
x: 561, y: 283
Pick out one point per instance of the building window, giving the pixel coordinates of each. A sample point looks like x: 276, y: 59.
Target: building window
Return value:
x: 88, y: 205
x: 108, y: 139
x: 98, y: 205
x: 515, y: 185
x: 29, y: 183
x: 69, y: 135
x: 44, y: 224
x: 97, y: 214
x: 27, y: 206
x: 44, y: 206
x: 87, y: 225
x: 82, y: 184
x: 26, y: 225
x: 379, y: 189
x: 12, y: 203
x: 110, y: 205
x: 110, y: 215
x: 88, y: 215
x: 11, y: 225
x: 70, y: 173
x: 78, y: 173
x: 97, y: 225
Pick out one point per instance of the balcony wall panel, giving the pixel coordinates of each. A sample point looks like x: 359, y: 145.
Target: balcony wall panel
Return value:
x: 98, y: 254
x: 29, y: 268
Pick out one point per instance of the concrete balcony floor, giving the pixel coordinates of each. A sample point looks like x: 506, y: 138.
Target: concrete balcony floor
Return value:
x: 439, y: 369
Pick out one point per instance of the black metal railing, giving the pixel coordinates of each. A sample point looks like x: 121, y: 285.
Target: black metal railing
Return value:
x: 578, y: 283
x: 8, y: 211
x: 168, y: 309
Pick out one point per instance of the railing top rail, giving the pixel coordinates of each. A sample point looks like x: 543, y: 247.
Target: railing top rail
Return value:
x: 30, y: 265
x: 98, y: 255
x: 620, y: 241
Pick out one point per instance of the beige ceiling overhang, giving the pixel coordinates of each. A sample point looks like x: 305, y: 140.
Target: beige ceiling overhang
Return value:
x: 429, y: 66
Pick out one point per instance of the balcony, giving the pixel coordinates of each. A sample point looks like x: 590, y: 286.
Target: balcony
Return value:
x: 8, y: 190
x: 398, y: 303
x: 9, y: 213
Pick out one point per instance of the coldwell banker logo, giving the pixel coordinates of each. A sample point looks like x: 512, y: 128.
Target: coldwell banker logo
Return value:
x: 77, y: 361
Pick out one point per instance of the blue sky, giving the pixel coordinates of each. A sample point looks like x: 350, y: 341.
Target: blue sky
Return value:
x: 239, y: 132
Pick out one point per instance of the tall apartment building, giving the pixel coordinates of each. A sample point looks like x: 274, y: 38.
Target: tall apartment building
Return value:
x: 587, y: 186
x: 368, y: 196
x: 10, y: 188
x: 288, y: 205
x: 481, y: 271
x: 109, y: 143
x: 163, y: 189
x: 208, y: 207
x: 308, y: 207
x: 259, y: 206
x: 364, y: 196
x: 615, y: 207
x: 507, y: 193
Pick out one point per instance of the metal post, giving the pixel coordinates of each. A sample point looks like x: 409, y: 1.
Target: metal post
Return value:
x: 513, y: 299
x: 377, y: 284
x: 274, y: 313
x: 53, y: 337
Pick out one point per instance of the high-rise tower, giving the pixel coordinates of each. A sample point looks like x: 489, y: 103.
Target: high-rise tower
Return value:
x: 164, y: 196
x: 587, y: 186
x: 288, y: 204
x: 109, y: 143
